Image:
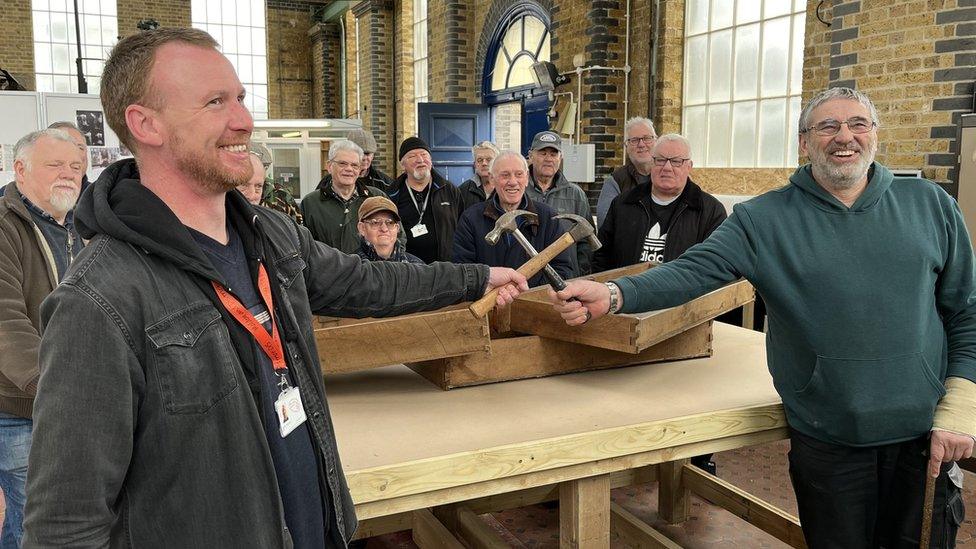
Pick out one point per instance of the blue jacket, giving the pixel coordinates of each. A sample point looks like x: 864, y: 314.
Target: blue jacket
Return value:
x: 478, y: 220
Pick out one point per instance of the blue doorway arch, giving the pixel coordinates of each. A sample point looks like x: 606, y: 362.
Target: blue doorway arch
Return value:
x: 521, y: 37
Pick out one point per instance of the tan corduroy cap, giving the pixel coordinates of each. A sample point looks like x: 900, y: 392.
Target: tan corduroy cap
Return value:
x: 375, y: 204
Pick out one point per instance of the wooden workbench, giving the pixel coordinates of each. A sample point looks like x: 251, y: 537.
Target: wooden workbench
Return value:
x: 407, y: 446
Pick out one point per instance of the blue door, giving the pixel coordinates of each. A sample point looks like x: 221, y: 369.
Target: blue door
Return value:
x: 535, y: 119
x: 451, y: 129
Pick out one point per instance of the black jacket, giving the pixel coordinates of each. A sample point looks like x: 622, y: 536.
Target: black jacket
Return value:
x: 375, y: 178
x: 479, y: 220
x: 445, y: 199
x: 472, y: 192
x: 629, y: 220
x: 146, y: 428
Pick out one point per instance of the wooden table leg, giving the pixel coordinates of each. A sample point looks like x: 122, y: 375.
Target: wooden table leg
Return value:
x: 673, y: 499
x: 584, y: 513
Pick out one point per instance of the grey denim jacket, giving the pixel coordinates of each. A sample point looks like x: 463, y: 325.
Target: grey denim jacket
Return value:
x: 145, y: 431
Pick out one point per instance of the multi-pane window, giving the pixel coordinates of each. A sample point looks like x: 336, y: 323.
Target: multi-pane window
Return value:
x: 743, y: 73
x: 421, y: 92
x: 526, y: 41
x: 56, y: 48
x: 239, y: 27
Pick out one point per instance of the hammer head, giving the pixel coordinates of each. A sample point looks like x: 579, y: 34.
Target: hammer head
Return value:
x: 507, y: 223
x: 582, y: 229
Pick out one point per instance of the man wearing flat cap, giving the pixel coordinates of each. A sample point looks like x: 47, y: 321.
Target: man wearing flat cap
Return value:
x: 429, y: 204
x: 379, y: 227
x: 548, y: 185
x: 370, y: 175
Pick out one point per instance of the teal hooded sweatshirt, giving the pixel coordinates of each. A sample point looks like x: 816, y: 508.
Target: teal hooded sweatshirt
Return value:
x: 870, y: 307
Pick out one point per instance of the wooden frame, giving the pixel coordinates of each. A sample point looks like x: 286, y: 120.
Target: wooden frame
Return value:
x: 348, y: 345
x: 533, y: 356
x: 532, y: 313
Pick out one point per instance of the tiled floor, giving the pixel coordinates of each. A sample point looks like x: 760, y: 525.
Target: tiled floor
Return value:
x: 760, y: 470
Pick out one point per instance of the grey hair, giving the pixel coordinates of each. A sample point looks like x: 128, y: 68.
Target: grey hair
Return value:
x: 629, y: 125
x: 836, y: 93
x: 508, y: 153
x: 672, y: 138
x: 484, y: 146
x: 64, y: 125
x: 26, y: 144
x: 344, y: 145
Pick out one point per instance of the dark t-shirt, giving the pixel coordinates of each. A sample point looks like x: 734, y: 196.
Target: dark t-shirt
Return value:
x: 653, y: 248
x: 294, y: 456
x: 424, y: 247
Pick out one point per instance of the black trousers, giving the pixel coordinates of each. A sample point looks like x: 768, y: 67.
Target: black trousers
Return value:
x: 869, y: 497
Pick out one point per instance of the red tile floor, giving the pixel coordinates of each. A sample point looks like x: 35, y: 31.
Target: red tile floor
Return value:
x: 760, y: 470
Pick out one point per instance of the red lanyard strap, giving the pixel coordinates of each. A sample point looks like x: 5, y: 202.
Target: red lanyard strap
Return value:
x: 270, y: 343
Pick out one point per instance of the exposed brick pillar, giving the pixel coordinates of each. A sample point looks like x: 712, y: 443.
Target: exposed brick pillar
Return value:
x: 326, y: 41
x: 376, y: 91
x: 16, y: 41
x: 168, y: 13
x: 451, y: 60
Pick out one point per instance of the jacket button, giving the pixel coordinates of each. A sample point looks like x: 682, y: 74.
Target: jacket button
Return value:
x: 187, y: 335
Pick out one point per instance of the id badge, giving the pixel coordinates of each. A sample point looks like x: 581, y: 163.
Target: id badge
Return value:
x: 290, y: 411
x: 418, y: 230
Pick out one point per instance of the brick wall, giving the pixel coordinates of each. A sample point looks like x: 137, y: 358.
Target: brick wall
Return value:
x: 376, y: 74
x: 352, y: 64
x: 403, y: 47
x: 289, y: 59
x: 450, y: 63
x: 168, y: 13
x: 917, y: 62
x: 16, y: 41
x: 326, y: 42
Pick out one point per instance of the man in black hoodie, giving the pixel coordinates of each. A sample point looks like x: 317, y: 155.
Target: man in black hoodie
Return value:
x: 180, y: 402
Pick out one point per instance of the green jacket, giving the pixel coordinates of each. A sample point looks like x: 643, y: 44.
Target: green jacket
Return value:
x: 332, y: 220
x: 870, y: 307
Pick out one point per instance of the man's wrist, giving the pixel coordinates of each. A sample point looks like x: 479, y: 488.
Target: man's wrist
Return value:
x: 615, y: 300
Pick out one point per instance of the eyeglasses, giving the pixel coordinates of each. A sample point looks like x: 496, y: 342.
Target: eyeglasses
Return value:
x: 376, y: 223
x: 677, y: 161
x: 831, y: 127
x: 343, y: 164
x: 647, y: 140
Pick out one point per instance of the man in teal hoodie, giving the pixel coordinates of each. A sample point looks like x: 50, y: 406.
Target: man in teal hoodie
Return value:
x: 871, y: 294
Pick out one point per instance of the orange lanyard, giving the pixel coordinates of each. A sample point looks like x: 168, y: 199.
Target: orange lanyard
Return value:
x: 270, y: 343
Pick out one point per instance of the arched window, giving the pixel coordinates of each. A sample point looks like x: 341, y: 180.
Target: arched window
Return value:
x: 526, y: 40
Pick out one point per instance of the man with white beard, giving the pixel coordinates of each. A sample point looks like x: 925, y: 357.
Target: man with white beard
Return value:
x: 429, y: 204
x: 870, y: 287
x: 37, y: 243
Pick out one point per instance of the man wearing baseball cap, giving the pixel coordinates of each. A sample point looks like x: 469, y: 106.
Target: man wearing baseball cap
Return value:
x: 379, y: 225
x: 429, y: 205
x: 369, y: 174
x: 548, y: 185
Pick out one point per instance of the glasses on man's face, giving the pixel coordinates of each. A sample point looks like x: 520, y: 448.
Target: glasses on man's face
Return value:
x: 830, y: 127
x: 377, y: 223
x: 647, y: 140
x: 677, y: 161
x: 343, y: 164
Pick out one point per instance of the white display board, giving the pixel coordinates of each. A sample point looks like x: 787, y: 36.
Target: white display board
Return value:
x: 85, y: 111
x: 24, y: 112
x: 21, y: 114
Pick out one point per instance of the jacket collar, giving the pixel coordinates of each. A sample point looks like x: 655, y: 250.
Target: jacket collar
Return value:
x: 493, y: 210
x: 14, y: 201
x: 436, y: 181
x: 691, y: 195
x: 558, y: 180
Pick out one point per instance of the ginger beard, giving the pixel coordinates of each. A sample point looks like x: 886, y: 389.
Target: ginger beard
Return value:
x: 208, y: 169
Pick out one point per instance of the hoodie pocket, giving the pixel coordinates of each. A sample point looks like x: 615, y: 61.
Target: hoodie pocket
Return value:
x: 867, y: 401
x: 192, y: 359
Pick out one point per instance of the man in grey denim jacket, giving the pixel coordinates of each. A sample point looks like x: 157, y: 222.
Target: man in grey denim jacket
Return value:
x: 152, y: 425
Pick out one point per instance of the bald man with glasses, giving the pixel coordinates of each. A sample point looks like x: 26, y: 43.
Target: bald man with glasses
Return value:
x: 659, y: 219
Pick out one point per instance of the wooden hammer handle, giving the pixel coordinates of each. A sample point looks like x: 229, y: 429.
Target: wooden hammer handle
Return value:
x: 927, y: 507
x: 481, y: 307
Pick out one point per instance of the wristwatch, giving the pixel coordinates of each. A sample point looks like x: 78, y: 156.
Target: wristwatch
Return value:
x: 614, y: 297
